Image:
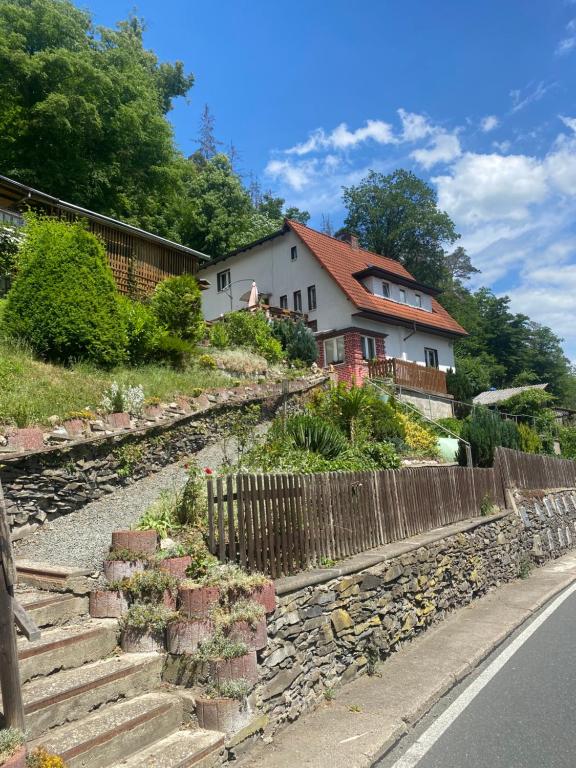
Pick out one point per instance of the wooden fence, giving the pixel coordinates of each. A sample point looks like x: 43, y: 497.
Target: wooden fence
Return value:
x: 406, y: 374
x: 282, y: 524
x: 532, y: 471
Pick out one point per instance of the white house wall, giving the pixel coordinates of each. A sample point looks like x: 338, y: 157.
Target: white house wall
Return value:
x: 270, y: 266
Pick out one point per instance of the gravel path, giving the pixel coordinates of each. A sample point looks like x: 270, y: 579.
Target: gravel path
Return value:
x: 82, y: 538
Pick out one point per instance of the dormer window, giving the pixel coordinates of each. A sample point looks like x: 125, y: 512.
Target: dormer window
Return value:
x: 418, y: 300
x: 386, y: 290
x: 402, y: 296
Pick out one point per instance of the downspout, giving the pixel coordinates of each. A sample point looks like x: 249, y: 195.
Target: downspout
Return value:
x: 404, y: 340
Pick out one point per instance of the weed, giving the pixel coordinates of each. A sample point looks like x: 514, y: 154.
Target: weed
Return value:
x: 242, y: 610
x: 524, y: 567
x: 488, y: 507
x: 373, y: 656
x: 230, y: 689
x: 355, y: 708
x: 11, y: 739
x: 327, y: 562
x: 220, y: 647
x: 160, y: 516
x: 128, y: 457
x: 329, y: 694
x: 150, y: 586
x: 152, y: 618
x: 127, y: 556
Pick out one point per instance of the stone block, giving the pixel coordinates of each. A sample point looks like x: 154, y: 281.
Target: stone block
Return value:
x: 341, y: 620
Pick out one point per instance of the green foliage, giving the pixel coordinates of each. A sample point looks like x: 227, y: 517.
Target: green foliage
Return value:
x: 147, y: 617
x: 64, y: 301
x: 128, y: 456
x: 567, y: 437
x: 127, y: 556
x: 312, y: 433
x: 297, y: 340
x: 191, y: 503
x: 454, y: 425
x: 240, y: 434
x: 224, y: 616
x: 529, y: 440
x: 10, y: 241
x: 485, y: 431
x: 219, y: 336
x: 11, y: 739
x: 220, y: 647
x: 177, y: 304
x: 150, y: 586
x: 142, y: 330
x: 229, y: 689
x: 173, y: 350
x: 398, y: 216
x: 207, y: 361
x: 160, y: 515
x: 252, y: 330
x: 531, y: 402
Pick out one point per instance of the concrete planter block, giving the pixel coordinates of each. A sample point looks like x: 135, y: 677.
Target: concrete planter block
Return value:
x: 136, y: 541
x: 75, y: 427
x: 142, y: 640
x: 18, y: 759
x: 254, y: 635
x: 265, y: 596
x: 29, y: 439
x: 114, y: 570
x: 186, y: 636
x: 118, y: 420
x: 153, y: 411
x: 107, y: 604
x: 197, y: 602
x: 176, y: 566
x: 225, y: 715
x: 169, y: 600
x: 244, y: 667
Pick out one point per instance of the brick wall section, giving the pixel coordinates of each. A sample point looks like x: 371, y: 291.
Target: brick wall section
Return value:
x: 323, y: 635
x: 354, y: 368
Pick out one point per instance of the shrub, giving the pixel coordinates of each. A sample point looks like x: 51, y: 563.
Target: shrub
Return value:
x: 229, y: 689
x: 11, y: 740
x: 297, y: 340
x: 252, y: 330
x: 218, y: 336
x: 220, y: 647
x: 485, y: 431
x: 118, y: 399
x: 151, y: 618
x: 207, y: 361
x: 177, y: 304
x: 529, y: 440
x: 454, y: 425
x: 312, y: 433
x: 142, y: 330
x: 418, y: 438
x: 160, y: 515
x: 150, y: 586
x: 174, y: 351
x: 41, y: 758
x: 240, y: 361
x: 64, y: 302
x: 567, y: 436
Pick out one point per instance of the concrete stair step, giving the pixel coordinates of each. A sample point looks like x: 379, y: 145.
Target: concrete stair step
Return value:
x: 51, y: 609
x: 70, y: 695
x: 183, y: 749
x: 115, y: 731
x: 67, y: 647
x: 56, y: 578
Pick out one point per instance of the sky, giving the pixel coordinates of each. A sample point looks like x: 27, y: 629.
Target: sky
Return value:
x: 477, y: 97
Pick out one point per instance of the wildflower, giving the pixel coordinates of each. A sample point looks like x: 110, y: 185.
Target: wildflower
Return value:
x: 207, y: 470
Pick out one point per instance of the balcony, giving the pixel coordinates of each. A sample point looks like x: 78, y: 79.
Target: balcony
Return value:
x: 410, y: 375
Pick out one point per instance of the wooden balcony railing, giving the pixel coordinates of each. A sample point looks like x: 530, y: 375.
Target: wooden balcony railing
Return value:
x: 407, y: 374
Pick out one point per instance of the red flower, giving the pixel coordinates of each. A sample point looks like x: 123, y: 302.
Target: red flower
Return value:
x: 208, y: 470
x: 186, y: 466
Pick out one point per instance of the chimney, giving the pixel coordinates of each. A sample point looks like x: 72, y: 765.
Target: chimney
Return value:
x: 348, y: 237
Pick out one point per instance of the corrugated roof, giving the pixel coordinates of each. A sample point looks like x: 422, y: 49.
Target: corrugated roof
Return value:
x: 341, y: 261
x: 493, y: 396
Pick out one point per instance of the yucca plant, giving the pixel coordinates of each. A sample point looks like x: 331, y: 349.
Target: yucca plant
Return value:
x: 312, y: 433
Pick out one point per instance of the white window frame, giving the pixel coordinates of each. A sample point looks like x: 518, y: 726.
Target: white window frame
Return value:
x: 334, y: 351
x: 386, y: 290
x: 222, y: 286
x: 418, y: 300
x: 431, y: 357
x: 402, y: 296
x: 293, y: 253
x: 367, y: 342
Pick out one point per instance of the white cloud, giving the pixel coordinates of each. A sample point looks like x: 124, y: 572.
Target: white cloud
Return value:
x: 343, y: 138
x: 295, y: 175
x: 568, y: 43
x: 414, y: 126
x: 502, y: 146
x: 523, y: 97
x: 569, y: 122
x: 489, y: 123
x: 444, y: 148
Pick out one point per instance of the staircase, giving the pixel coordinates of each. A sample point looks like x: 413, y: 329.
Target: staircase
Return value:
x: 96, y: 706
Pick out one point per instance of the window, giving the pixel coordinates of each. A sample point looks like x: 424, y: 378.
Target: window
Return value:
x: 417, y: 300
x: 368, y: 347
x: 297, y: 301
x: 223, y: 280
x: 311, y: 297
x: 402, y: 295
x: 431, y: 357
x: 313, y: 325
x: 386, y: 290
x: 283, y: 302
x: 293, y: 253
x: 334, y: 350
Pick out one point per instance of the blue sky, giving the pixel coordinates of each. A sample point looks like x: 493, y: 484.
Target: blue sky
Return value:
x: 476, y: 96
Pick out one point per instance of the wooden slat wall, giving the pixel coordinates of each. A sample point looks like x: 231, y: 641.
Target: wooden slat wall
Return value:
x: 532, y: 471
x: 407, y: 374
x: 282, y: 524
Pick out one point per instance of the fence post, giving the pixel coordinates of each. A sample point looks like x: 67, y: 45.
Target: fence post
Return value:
x: 9, y: 669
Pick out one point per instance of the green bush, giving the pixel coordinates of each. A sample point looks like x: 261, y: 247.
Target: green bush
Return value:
x: 567, y: 437
x: 177, y: 304
x: 529, y: 440
x: 174, y: 351
x: 64, y: 301
x: 454, y: 425
x: 297, y: 340
x: 485, y: 431
x: 251, y: 330
x: 142, y: 330
x: 218, y: 336
x: 312, y: 433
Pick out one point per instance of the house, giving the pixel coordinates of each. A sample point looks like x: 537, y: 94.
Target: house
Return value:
x: 139, y: 259
x: 361, y: 306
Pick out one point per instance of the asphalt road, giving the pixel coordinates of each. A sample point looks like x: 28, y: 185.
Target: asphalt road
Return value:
x: 523, y: 717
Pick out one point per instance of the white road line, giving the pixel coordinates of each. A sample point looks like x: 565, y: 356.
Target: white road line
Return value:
x: 427, y: 740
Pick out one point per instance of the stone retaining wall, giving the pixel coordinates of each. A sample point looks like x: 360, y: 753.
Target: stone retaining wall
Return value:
x: 324, y: 634
x: 55, y: 481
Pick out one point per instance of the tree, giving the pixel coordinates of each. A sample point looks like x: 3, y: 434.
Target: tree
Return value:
x: 485, y: 431
x: 64, y: 301
x: 206, y: 137
x: 83, y: 112
x: 177, y: 304
x: 398, y: 216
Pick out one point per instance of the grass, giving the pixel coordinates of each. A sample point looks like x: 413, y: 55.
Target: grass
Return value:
x: 31, y: 391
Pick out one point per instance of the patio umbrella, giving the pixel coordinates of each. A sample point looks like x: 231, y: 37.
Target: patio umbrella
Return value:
x: 253, y: 300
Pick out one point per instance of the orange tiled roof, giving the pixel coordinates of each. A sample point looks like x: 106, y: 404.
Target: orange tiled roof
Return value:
x: 341, y: 261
